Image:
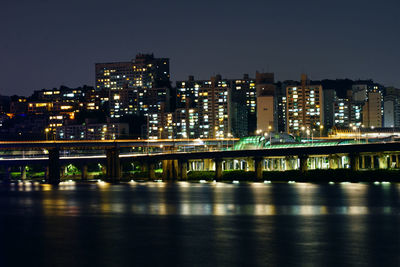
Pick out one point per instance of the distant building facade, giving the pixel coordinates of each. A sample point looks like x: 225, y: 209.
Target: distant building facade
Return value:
x: 304, y: 107
x: 100, y: 131
x: 128, y: 82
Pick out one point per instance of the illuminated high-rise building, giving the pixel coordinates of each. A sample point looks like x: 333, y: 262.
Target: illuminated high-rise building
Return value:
x: 145, y: 71
x: 214, y: 109
x: 341, y: 116
x: 372, y: 110
x: 304, y: 107
x: 391, y: 115
x: 127, y: 80
x: 225, y: 107
x: 243, y: 113
x: 266, y: 103
x: 186, y: 123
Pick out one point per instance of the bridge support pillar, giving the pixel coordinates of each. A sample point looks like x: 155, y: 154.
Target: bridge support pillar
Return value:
x: 144, y: 166
x: 151, y: 167
x: 64, y: 170
x: 165, y: 169
x: 54, y: 166
x: 113, y: 165
x: 84, y: 172
x: 354, y: 161
x: 7, y: 174
x: 23, y: 172
x: 333, y: 162
x: 167, y: 166
x: 258, y: 165
x: 303, y: 163
x: 250, y: 165
x: 382, y: 161
x: 218, y: 169
x: 362, y: 158
x: 281, y: 164
x: 176, y: 170
x: 372, y: 162
x: 289, y: 163
x: 182, y: 166
x: 207, y: 164
x: 268, y: 164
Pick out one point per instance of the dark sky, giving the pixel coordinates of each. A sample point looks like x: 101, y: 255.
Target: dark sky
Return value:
x: 48, y: 43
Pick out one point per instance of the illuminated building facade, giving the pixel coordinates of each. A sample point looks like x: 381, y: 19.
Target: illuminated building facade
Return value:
x: 391, y: 116
x: 214, y: 101
x: 128, y: 81
x: 329, y: 106
x: 304, y: 107
x: 372, y: 110
x: 341, y: 112
x: 225, y: 107
x: 266, y: 102
x: 101, y: 131
x: 265, y: 113
x: 186, y: 123
x: 246, y: 88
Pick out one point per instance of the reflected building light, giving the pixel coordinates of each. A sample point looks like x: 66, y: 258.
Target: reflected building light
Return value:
x: 105, y: 207
x: 46, y: 187
x: 260, y: 210
x: 117, y: 208
x: 184, y: 209
x: 183, y: 184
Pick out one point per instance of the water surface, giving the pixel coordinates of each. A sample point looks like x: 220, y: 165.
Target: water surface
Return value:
x: 191, y: 224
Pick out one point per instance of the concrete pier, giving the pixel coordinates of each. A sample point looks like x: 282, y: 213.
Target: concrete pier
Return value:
x: 54, y: 166
x: 354, y: 161
x: 258, y: 165
x: 113, y: 165
x: 303, y: 163
x: 218, y: 169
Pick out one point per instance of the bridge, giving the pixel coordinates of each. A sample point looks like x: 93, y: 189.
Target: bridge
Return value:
x: 211, y: 154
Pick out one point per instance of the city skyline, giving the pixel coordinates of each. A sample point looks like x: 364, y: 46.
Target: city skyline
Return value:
x: 58, y: 43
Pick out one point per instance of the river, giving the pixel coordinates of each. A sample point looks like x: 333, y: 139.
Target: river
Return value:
x: 200, y: 224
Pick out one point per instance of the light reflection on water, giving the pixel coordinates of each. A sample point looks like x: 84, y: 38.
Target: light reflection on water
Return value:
x: 201, y: 224
x: 214, y: 199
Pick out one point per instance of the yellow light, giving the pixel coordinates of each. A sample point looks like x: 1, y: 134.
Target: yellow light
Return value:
x: 65, y: 107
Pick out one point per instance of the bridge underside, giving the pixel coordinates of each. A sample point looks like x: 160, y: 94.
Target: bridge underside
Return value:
x: 111, y: 166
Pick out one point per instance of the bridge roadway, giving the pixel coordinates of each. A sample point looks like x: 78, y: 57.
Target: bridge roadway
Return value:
x: 175, y: 163
x: 104, y: 144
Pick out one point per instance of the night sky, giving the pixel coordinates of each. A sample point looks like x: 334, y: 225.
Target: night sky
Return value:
x: 45, y: 44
